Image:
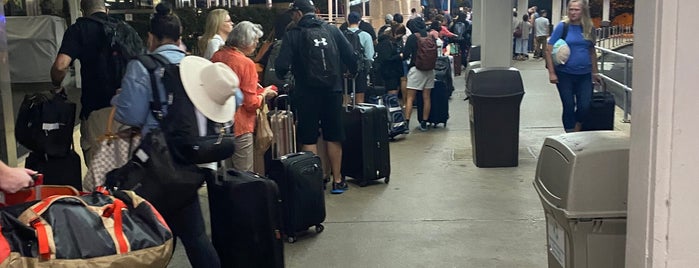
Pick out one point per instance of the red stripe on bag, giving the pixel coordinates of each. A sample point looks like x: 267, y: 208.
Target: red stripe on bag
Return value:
x: 42, y: 239
x: 119, y: 226
x: 38, y: 209
x: 4, y: 247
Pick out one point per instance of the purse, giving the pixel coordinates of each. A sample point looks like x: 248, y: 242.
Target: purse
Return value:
x: 263, y: 130
x: 113, y: 152
x: 153, y: 174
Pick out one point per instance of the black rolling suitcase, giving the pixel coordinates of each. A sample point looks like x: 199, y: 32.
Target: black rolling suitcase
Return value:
x: 298, y: 175
x: 439, y: 98
x: 245, y: 211
x: 365, y: 152
x: 601, y: 113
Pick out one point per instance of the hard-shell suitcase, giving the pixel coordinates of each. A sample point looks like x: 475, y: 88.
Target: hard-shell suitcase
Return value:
x: 300, y: 180
x: 283, y: 127
x: 245, y: 211
x: 439, y: 110
x: 601, y: 113
x: 365, y: 152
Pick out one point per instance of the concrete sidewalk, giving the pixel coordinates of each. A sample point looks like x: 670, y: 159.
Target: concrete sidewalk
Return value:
x: 439, y: 210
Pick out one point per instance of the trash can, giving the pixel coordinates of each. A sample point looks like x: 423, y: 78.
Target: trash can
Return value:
x: 494, y: 97
x: 474, y: 54
x: 581, y: 179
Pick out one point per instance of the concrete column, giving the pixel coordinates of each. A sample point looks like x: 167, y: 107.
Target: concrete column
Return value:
x: 662, y: 217
x: 556, y: 11
x: 522, y: 6
x: 496, y: 45
x: 606, y: 6
x: 477, y: 22
x: 8, y: 149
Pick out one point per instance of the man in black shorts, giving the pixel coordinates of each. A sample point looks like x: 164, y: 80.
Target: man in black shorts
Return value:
x: 317, y: 106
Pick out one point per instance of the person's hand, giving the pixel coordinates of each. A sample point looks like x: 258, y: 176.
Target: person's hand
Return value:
x: 14, y: 179
x: 553, y: 78
x: 596, y: 79
x: 269, y: 93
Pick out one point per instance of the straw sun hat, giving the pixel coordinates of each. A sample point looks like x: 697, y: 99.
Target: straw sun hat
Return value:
x: 210, y: 86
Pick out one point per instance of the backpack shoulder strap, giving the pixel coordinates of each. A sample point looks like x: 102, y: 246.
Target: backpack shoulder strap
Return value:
x: 151, y: 63
x: 565, y: 31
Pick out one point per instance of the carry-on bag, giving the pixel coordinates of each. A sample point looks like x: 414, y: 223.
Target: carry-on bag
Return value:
x: 94, y: 230
x: 245, y: 211
x: 396, y: 117
x: 299, y: 176
x: 439, y: 110
x: 365, y: 152
x: 601, y: 113
x: 57, y: 170
x: 300, y: 180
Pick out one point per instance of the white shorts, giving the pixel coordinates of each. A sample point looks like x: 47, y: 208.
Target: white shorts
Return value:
x: 419, y: 80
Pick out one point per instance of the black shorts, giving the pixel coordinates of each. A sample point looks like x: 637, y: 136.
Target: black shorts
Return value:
x: 392, y: 83
x: 361, y: 81
x: 319, y: 110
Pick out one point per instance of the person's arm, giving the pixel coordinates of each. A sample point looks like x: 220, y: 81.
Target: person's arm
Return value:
x: 282, y: 64
x: 345, y: 48
x: 593, y: 59
x: 368, y: 46
x: 14, y: 179
x: 410, y: 48
x: 252, y: 100
x: 132, y: 102
x: 69, y: 50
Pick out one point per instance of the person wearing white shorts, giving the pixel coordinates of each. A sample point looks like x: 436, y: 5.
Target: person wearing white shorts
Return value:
x: 418, y: 80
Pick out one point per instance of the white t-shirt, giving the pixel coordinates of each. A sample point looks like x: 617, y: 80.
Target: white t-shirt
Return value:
x: 214, y: 44
x: 541, y: 26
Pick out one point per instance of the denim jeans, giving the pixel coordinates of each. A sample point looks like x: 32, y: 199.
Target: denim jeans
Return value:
x: 575, y: 91
x: 189, y: 226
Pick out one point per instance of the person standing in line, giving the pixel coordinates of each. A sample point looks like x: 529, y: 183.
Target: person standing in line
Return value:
x: 574, y: 78
x: 361, y: 82
x: 318, y: 107
x: 533, y: 15
x: 363, y: 25
x: 241, y: 43
x: 133, y: 108
x: 521, y: 42
x: 218, y: 27
x: 541, y: 27
x: 418, y: 80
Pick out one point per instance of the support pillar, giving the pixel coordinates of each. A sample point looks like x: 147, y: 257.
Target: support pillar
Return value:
x: 556, y: 11
x: 477, y: 22
x: 8, y: 147
x: 496, y: 45
x: 662, y: 217
x: 606, y: 5
x: 522, y: 6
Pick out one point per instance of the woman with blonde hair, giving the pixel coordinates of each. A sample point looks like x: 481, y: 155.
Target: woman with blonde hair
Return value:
x: 240, y: 44
x: 218, y: 27
x: 574, y: 76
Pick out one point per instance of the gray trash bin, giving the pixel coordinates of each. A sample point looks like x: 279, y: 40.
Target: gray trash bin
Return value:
x: 494, y: 94
x: 582, y: 180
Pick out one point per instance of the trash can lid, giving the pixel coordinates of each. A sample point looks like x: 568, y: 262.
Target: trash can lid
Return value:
x: 585, y: 174
x: 494, y: 82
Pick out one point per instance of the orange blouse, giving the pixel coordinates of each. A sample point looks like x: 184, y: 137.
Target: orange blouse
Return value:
x: 244, y: 67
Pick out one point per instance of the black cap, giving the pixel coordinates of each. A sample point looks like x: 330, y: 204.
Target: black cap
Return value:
x: 304, y: 6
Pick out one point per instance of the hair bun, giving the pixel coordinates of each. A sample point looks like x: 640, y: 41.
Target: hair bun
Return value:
x: 163, y: 9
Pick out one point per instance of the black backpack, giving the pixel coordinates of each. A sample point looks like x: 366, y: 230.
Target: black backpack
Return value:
x: 123, y: 44
x: 45, y: 124
x: 180, y: 126
x: 363, y: 64
x: 319, y: 52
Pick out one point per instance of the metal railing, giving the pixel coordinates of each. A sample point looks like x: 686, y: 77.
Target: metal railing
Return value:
x: 628, y: 61
x: 614, y: 36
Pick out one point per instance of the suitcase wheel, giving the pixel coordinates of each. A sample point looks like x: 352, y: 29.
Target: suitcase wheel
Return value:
x: 291, y: 239
x: 386, y: 180
x: 320, y: 228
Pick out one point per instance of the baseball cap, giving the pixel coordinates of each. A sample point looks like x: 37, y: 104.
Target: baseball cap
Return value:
x: 304, y: 6
x: 389, y: 17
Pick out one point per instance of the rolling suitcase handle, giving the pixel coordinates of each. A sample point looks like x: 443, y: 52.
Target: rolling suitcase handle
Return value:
x: 602, y: 85
x: 347, y: 76
x: 291, y: 134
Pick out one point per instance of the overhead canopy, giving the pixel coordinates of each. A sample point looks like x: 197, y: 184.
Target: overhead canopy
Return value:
x: 33, y: 43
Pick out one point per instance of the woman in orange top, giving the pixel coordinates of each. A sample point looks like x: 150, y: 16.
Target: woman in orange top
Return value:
x: 240, y: 43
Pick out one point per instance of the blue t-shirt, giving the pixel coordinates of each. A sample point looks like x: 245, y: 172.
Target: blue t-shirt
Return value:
x: 579, y: 59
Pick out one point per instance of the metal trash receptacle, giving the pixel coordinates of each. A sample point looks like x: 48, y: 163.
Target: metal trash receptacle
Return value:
x: 495, y: 95
x: 582, y: 181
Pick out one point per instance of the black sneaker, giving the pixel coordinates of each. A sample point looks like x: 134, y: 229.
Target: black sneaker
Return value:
x: 423, y: 126
x: 339, y: 187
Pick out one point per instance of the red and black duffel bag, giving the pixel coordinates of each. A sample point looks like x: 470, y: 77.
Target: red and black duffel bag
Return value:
x: 94, y: 230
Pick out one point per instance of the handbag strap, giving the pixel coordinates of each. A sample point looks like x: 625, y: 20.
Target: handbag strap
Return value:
x: 110, y: 121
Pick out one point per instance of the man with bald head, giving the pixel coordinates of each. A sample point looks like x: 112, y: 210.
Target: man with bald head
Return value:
x: 86, y: 41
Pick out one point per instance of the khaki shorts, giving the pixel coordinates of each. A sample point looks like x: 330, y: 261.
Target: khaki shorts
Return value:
x: 419, y: 80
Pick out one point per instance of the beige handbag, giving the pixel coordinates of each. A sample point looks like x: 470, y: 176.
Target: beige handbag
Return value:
x: 114, y: 151
x: 263, y: 131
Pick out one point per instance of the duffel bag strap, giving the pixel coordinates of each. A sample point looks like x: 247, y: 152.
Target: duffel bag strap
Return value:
x: 44, y: 235
x: 115, y: 211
